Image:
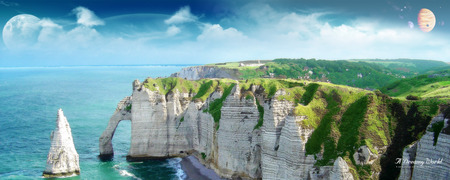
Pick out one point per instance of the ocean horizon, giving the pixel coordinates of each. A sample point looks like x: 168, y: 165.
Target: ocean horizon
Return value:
x: 88, y: 95
x: 106, y: 65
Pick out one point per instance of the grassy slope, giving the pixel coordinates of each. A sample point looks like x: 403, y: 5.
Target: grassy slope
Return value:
x: 344, y: 118
x: 407, y: 66
x: 425, y: 86
x: 376, y: 73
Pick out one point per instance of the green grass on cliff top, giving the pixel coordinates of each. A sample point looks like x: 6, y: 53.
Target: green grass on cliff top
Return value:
x: 435, y: 85
x: 375, y: 73
x: 294, y: 90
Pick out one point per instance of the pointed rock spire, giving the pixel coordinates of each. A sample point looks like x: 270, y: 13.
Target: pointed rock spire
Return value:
x: 62, y: 159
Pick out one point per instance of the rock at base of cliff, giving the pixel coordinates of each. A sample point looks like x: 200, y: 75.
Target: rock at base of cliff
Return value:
x: 364, y: 156
x: 50, y: 175
x: 340, y: 170
x: 195, y: 170
x: 62, y: 159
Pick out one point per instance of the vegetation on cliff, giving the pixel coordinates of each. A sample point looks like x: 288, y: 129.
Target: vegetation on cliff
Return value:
x: 321, y: 135
x: 408, y: 67
x: 308, y: 96
x: 261, y: 116
x: 343, y: 118
x: 369, y: 73
x: 215, y: 107
x: 410, y: 120
x: 435, y: 85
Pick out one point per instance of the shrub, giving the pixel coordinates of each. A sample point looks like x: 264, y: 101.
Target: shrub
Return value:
x: 412, y: 97
x: 203, y: 155
x: 248, y: 97
x: 261, y: 116
x: 128, y: 108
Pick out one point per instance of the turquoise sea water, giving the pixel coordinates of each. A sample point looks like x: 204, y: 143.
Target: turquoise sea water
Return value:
x: 30, y: 98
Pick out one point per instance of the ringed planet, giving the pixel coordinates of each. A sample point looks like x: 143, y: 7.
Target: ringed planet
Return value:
x: 426, y: 20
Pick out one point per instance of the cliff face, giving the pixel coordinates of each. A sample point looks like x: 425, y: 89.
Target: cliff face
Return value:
x: 200, y: 72
x: 424, y: 160
x: 62, y: 159
x: 174, y: 125
x: 270, y: 129
x: 284, y: 143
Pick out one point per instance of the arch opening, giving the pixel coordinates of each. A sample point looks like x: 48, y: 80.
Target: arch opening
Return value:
x: 121, y: 139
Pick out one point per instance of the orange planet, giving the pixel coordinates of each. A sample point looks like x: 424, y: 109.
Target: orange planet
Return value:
x: 426, y: 20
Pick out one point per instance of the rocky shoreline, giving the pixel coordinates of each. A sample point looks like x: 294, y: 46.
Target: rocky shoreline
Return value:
x: 196, y: 171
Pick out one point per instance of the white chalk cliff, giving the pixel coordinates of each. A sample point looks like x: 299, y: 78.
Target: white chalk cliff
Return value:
x: 435, y: 158
x: 200, y: 72
x: 175, y: 125
x: 62, y: 159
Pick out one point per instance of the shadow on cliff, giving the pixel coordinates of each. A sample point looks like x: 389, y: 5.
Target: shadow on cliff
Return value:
x: 411, y: 125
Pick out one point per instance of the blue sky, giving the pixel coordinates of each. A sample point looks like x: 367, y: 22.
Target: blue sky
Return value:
x: 101, y: 32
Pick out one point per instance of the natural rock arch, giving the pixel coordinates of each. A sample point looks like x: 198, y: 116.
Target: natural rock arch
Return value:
x: 123, y: 112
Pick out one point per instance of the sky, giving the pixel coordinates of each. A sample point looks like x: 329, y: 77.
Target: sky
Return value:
x: 136, y: 32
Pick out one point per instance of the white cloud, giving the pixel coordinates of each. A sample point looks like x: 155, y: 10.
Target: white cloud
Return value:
x: 173, y: 30
x: 87, y: 18
x: 50, y: 32
x: 310, y: 35
x: 183, y: 15
x: 217, y: 33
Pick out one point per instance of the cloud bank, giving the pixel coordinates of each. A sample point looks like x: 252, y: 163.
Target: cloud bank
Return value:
x: 257, y: 31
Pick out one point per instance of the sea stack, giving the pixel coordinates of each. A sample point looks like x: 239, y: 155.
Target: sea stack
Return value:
x: 62, y: 159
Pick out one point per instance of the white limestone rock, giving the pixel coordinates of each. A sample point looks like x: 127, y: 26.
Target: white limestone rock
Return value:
x: 237, y: 138
x: 436, y: 158
x: 364, y: 156
x: 123, y: 112
x: 283, y: 144
x: 409, y: 155
x: 175, y: 125
x: 62, y: 159
x: 430, y: 162
x: 200, y: 72
x: 340, y: 170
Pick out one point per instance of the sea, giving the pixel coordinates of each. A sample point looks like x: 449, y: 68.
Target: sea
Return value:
x: 88, y: 95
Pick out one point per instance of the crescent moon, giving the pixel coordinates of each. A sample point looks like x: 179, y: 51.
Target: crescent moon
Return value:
x: 21, y: 31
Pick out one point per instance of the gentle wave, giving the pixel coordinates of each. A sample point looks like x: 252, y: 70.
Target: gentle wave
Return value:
x: 176, y: 164
x: 125, y: 173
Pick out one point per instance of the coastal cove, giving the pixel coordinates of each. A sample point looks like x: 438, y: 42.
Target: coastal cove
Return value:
x: 30, y: 98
